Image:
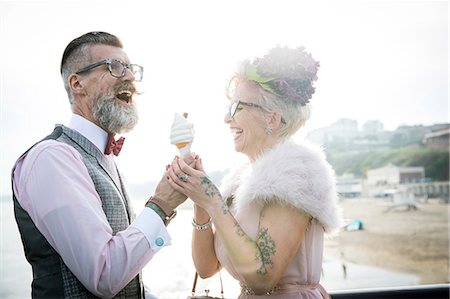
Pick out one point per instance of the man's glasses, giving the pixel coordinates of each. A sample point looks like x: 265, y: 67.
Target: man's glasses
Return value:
x: 117, y: 68
x: 231, y: 110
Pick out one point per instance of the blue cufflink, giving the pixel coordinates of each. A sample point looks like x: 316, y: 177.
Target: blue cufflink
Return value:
x: 159, y: 242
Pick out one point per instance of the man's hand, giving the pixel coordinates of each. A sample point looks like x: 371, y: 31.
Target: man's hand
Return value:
x: 166, y: 193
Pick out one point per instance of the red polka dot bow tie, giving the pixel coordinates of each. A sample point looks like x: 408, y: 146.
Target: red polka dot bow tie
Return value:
x: 114, y: 146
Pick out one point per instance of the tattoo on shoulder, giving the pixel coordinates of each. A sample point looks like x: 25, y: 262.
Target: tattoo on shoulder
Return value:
x: 266, y: 250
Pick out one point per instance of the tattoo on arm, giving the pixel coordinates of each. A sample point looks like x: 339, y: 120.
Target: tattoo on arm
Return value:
x: 212, y: 191
x: 266, y: 246
x: 240, y: 232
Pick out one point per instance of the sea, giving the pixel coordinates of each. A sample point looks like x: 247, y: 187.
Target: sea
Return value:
x: 170, y: 274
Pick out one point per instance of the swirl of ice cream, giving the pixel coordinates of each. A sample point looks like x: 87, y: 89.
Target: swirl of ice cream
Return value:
x: 182, y: 133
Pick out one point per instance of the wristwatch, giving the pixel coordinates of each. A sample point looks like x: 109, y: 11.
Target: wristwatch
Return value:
x: 161, y: 208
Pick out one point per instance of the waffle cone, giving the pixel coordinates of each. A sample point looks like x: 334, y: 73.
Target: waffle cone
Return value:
x: 181, y: 144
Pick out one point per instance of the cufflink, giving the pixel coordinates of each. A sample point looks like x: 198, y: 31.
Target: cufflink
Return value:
x: 159, y: 242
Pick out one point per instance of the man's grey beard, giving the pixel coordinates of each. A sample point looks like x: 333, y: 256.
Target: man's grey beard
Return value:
x: 113, y: 116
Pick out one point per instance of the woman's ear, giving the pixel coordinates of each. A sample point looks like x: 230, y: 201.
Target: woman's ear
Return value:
x: 274, y: 120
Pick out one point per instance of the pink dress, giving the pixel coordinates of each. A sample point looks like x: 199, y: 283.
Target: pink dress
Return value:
x: 296, y: 174
x: 301, y: 278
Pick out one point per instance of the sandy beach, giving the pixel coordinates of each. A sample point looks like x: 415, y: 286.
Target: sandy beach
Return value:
x: 397, y: 239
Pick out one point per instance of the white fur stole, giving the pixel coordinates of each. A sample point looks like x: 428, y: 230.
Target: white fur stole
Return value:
x: 296, y: 174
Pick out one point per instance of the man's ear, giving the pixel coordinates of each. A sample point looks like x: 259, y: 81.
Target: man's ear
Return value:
x: 76, y: 84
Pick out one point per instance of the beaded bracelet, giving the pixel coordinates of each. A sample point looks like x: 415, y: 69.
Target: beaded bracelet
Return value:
x: 202, y: 226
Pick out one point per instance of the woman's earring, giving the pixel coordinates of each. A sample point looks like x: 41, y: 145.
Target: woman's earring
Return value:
x: 268, y: 130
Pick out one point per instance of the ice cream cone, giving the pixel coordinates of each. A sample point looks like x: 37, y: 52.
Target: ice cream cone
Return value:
x: 182, y: 134
x: 182, y: 144
x: 186, y: 149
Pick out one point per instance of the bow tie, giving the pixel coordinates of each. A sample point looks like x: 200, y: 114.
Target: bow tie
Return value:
x: 113, y: 146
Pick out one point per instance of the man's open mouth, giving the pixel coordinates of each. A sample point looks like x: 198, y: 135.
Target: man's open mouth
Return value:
x: 124, y: 95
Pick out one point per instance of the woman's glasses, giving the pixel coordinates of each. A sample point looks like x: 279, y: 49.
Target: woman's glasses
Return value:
x: 231, y: 110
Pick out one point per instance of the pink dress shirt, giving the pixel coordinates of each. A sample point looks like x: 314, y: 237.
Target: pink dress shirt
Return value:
x: 53, y: 185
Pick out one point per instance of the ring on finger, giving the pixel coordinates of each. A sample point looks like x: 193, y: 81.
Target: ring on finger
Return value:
x: 184, y: 177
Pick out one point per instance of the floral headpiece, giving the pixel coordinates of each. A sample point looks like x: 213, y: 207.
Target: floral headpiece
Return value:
x: 287, y: 73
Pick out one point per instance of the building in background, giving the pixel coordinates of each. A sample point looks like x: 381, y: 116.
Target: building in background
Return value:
x: 347, y: 185
x: 390, y: 177
x: 343, y: 139
x: 439, y: 139
x: 372, y: 127
x: 345, y: 135
x: 342, y: 130
x: 411, y: 181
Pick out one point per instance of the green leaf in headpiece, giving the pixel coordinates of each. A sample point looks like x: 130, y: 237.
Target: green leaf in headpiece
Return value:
x: 251, y: 73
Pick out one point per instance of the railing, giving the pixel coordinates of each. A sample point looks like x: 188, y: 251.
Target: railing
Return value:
x: 434, y: 291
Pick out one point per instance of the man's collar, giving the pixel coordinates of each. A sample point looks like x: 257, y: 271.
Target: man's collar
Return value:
x: 91, y: 131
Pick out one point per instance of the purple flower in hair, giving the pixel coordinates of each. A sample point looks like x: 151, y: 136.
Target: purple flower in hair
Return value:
x: 287, y: 73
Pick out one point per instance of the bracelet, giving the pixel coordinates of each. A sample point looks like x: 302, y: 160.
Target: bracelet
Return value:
x: 162, y: 204
x: 157, y: 210
x: 155, y: 206
x: 202, y: 226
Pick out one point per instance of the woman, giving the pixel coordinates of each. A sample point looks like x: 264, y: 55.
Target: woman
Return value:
x: 271, y: 214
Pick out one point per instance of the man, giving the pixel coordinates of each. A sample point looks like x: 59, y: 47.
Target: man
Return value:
x: 74, y: 216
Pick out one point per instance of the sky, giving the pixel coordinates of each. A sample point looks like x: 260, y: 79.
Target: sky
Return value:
x: 385, y: 60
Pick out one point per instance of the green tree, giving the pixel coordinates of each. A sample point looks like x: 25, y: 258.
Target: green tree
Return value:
x: 434, y: 160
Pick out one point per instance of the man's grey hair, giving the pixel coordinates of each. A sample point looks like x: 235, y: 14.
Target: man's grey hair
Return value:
x: 77, y: 55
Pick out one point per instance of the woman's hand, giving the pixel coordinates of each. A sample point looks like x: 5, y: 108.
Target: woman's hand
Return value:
x: 194, y: 183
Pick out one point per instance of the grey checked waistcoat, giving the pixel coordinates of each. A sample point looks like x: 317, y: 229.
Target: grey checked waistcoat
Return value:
x: 51, y: 277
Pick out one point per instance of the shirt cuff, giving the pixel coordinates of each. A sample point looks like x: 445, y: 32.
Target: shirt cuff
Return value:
x: 152, y: 226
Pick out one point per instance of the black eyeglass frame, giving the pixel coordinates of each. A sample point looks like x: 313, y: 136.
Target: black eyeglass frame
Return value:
x: 109, y: 61
x: 232, y: 111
